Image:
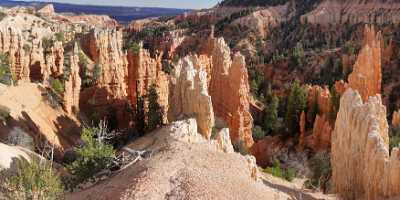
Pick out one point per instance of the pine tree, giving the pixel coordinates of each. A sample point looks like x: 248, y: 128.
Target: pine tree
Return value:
x: 140, y: 116
x: 270, y: 112
x: 297, y: 102
x: 155, y: 113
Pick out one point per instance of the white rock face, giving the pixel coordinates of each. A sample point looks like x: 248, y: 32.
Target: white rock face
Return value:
x: 190, y: 98
x: 361, y: 164
x: 9, y: 154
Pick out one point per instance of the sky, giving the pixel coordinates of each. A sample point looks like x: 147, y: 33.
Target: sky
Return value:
x: 193, y: 4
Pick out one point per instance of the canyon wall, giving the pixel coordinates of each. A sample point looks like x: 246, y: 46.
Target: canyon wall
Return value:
x: 361, y: 136
x: 73, y: 84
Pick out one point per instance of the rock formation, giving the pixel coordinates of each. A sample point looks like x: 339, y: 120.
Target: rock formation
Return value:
x: 396, y: 118
x: 360, y: 136
x: 47, y: 10
x: 321, y: 97
x: 321, y: 134
x: 72, y: 84
x: 366, y: 76
x: 189, y: 96
x: 108, y: 95
x: 229, y: 89
x: 144, y: 71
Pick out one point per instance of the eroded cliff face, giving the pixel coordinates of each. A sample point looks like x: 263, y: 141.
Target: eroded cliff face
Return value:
x: 367, y: 76
x: 229, y: 89
x: 361, y: 136
x: 189, y: 96
x: 109, y: 94
x: 353, y: 12
x: 72, y: 84
x: 144, y: 71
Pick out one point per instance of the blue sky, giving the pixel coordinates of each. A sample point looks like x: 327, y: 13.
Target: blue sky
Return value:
x: 194, y: 4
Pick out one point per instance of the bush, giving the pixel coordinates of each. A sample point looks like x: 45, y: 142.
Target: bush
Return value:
x: 270, y: 120
x: 57, y: 85
x: 4, y: 113
x: 135, y: 47
x: 276, y: 170
x: 394, y: 133
x: 60, y: 36
x: 320, y: 167
x: 6, y: 76
x: 2, y: 16
x: 258, y: 133
x: 93, y: 157
x: 34, y: 180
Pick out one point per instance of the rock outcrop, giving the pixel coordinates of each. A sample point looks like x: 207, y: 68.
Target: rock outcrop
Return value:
x: 183, y: 165
x: 360, y: 136
x: 396, y: 118
x: 229, y: 89
x: 72, y: 84
x: 367, y: 76
x: 144, y: 71
x: 189, y: 96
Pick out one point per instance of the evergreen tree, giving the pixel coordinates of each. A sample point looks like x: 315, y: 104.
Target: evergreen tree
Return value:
x: 140, y: 116
x: 155, y: 113
x: 297, y: 103
x: 270, y: 112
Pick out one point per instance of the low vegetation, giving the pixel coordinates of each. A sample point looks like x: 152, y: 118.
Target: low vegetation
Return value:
x: 4, y: 113
x: 33, y: 180
x: 277, y: 171
x: 297, y: 103
x: 93, y: 157
x: 6, y: 76
x: 320, y: 167
x: 57, y: 85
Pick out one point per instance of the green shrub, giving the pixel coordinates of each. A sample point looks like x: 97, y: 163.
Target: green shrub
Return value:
x: 57, y: 85
x: 276, y: 170
x: 34, y: 180
x: 270, y: 121
x: 93, y: 157
x: 135, y: 47
x: 6, y: 76
x: 320, y: 167
x: 258, y: 133
x: 60, y: 36
x: 394, y: 141
x: 4, y: 113
x: 2, y: 16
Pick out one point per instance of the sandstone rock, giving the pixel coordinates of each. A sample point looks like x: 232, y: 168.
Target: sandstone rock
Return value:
x: 320, y: 96
x: 73, y: 84
x: 367, y: 76
x: 229, y: 89
x: 189, y: 97
x: 396, y: 118
x: 321, y: 135
x: 360, y: 136
x: 144, y: 71
x: 224, y: 141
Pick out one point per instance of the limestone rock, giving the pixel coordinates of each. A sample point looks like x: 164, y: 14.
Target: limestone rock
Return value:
x: 367, y: 76
x: 361, y: 137
x: 190, y: 98
x: 229, y: 89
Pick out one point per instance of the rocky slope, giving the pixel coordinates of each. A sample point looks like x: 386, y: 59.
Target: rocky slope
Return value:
x: 184, y: 165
